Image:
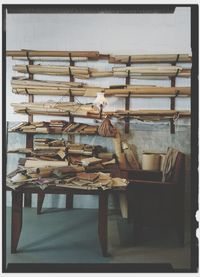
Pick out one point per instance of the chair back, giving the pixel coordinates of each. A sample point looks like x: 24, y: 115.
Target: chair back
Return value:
x: 178, y: 172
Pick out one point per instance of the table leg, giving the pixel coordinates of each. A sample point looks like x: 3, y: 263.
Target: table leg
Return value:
x: 16, y: 219
x: 27, y: 200
x: 103, y: 221
x: 40, y: 201
x: 69, y: 200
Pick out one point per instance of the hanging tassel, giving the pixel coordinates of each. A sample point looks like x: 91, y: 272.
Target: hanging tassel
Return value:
x: 106, y: 129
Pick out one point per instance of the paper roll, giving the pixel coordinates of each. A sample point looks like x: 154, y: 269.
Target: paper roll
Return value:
x: 150, y: 161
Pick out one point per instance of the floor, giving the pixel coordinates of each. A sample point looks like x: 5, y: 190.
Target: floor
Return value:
x: 61, y: 236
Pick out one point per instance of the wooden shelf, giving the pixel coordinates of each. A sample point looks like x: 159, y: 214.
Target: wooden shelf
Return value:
x: 126, y: 91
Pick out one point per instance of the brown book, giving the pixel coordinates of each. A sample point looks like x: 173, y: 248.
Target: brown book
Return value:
x: 55, y: 130
x: 88, y: 176
x: 61, y: 154
x: 89, y: 130
x: 46, y: 158
x: 105, y: 155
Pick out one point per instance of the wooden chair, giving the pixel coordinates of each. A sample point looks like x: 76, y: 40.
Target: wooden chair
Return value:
x: 148, y: 198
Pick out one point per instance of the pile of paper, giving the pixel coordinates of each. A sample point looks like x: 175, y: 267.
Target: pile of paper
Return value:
x: 69, y: 177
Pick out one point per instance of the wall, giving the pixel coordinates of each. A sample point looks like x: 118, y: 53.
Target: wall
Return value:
x: 113, y: 34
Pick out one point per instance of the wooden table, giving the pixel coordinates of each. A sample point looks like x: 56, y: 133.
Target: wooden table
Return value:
x: 17, y: 209
x: 17, y: 205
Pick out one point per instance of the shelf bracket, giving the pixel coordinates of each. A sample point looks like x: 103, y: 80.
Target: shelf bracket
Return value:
x: 127, y: 99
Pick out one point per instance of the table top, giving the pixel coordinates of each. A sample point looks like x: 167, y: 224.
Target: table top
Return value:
x: 56, y: 189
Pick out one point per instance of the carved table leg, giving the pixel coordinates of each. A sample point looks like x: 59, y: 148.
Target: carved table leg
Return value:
x: 16, y: 219
x: 69, y: 200
x: 40, y: 201
x: 103, y: 220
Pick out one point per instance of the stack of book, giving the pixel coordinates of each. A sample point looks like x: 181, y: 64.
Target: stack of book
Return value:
x: 46, y: 143
x: 55, y: 127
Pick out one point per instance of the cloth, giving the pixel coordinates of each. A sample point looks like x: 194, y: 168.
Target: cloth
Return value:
x: 169, y: 163
x: 106, y: 129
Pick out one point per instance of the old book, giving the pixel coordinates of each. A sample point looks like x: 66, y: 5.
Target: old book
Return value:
x: 44, y: 130
x: 44, y: 140
x: 61, y: 153
x: 68, y: 180
x: 88, y: 176
x: 17, y: 127
x: 105, y: 155
x: 55, y: 130
x: 67, y: 127
x: 94, y: 168
x: 89, y: 147
x: 22, y: 161
x: 90, y: 161
x: 75, y: 151
x: 56, y: 142
x: 75, y: 146
x: 42, y: 163
x: 89, y: 129
x: 47, y: 158
x: 87, y: 153
x: 109, y: 162
x: 119, y: 182
x: 80, y: 182
x: 28, y: 127
x: 37, y: 147
x: 76, y: 159
x: 57, y: 122
x: 44, y: 181
x: 69, y: 169
x: 46, y: 152
x: 73, y: 127
x: 101, y: 183
x: 80, y: 127
x: 40, y: 123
